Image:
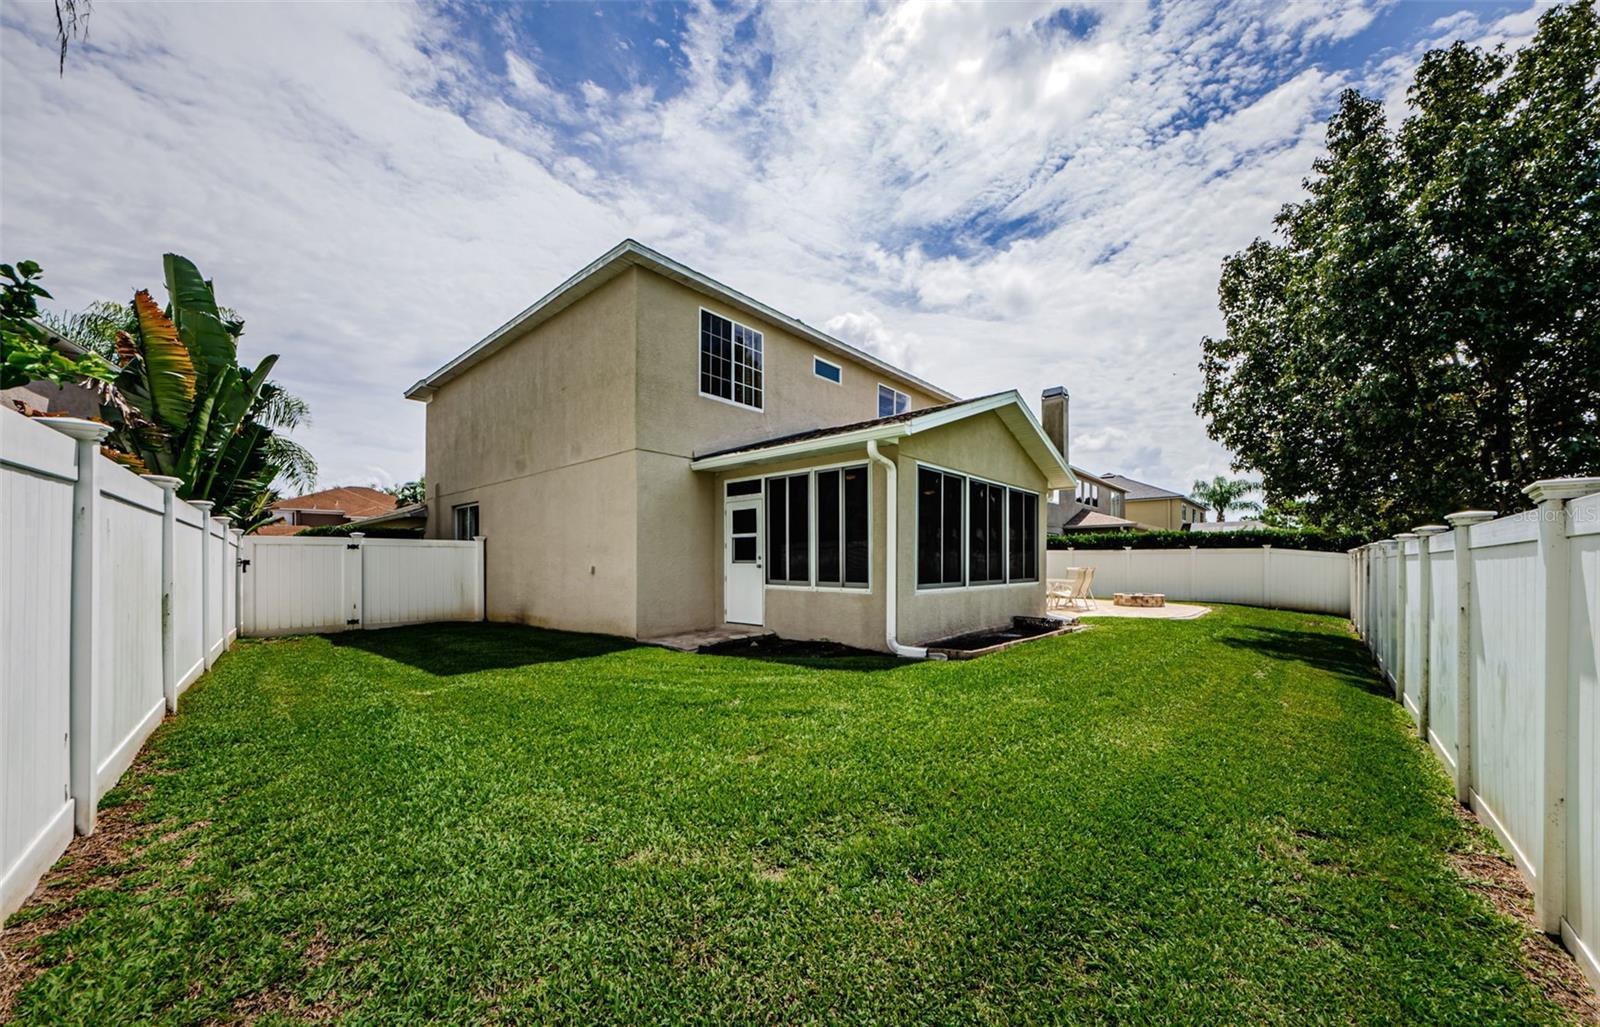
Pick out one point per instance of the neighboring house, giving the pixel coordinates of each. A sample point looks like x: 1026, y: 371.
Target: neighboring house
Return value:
x: 44, y: 397
x: 1155, y: 508
x: 330, y: 506
x: 1096, y: 504
x: 650, y: 453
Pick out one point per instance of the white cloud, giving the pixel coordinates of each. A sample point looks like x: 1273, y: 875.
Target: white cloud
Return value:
x: 966, y: 189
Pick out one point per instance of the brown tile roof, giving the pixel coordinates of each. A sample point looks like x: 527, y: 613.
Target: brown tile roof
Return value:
x: 278, y: 529
x: 1093, y: 520
x: 353, y: 500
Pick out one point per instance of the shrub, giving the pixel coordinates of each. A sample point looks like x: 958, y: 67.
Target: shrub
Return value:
x: 343, y: 530
x: 1280, y: 538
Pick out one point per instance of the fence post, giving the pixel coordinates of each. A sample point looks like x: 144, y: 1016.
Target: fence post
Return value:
x: 1127, y: 569
x: 169, y: 529
x: 220, y: 589
x: 1266, y: 576
x: 204, y: 506
x: 238, y: 583
x: 1425, y: 624
x: 1462, y: 522
x: 1402, y: 603
x: 481, y: 600
x: 355, y: 580
x: 1192, y: 557
x: 1550, y: 890
x: 85, y: 593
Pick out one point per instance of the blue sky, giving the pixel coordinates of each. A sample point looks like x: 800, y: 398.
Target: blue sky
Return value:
x: 996, y: 196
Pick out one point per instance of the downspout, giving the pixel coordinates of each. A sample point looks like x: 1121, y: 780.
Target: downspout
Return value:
x: 891, y: 561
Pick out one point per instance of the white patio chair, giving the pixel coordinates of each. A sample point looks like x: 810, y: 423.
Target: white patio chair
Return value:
x: 1086, y: 590
x: 1064, y: 592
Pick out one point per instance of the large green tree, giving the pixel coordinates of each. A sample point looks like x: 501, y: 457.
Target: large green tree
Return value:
x: 1422, y: 334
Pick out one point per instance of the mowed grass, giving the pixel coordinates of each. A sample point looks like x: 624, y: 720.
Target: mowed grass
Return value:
x: 1222, y: 820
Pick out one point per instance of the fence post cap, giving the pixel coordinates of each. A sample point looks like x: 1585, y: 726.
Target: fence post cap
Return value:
x: 1431, y: 529
x: 77, y: 427
x: 166, y: 481
x: 203, y: 505
x: 1405, y: 536
x: 1547, y: 489
x: 224, y: 519
x: 1461, y: 518
x: 358, y: 534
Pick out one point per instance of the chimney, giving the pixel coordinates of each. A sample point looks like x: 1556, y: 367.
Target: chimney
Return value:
x: 1053, y: 412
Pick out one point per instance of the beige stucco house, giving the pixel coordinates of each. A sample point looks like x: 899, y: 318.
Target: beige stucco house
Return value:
x: 1155, y: 508
x: 649, y: 452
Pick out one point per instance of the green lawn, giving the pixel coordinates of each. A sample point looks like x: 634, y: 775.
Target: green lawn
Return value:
x: 1198, y: 821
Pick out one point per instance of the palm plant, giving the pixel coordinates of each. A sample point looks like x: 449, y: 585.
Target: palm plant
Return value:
x: 1223, y: 494
x: 201, y: 417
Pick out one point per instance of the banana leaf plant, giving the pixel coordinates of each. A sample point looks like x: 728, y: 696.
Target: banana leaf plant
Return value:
x: 200, y: 416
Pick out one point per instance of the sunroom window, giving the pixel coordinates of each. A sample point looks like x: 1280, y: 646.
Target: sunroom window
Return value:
x: 788, y: 530
x: 1022, y: 536
x: 842, y: 526
x: 986, y: 525
x: 939, y: 527
x: 730, y: 361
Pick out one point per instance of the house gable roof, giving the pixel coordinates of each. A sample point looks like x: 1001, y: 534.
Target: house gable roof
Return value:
x: 618, y: 259
x: 1143, y: 490
x: 1010, y: 408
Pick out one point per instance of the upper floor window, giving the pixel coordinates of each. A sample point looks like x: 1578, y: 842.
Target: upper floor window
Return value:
x: 892, y: 401
x: 730, y: 361
x: 827, y: 370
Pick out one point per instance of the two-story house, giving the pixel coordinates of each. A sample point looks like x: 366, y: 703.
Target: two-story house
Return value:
x: 649, y: 452
x: 1155, y: 508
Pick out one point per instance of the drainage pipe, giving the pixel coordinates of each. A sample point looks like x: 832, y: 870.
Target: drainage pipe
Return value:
x: 891, y: 561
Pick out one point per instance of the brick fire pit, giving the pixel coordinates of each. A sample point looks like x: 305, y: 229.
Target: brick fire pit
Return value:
x: 1139, y: 599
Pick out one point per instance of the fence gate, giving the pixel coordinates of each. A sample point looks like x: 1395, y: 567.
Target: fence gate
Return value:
x: 295, y: 585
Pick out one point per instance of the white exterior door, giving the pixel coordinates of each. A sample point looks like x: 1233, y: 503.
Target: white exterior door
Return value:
x: 743, y: 576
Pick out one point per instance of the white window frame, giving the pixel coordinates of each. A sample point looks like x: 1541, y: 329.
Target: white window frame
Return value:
x: 455, y: 520
x: 815, y: 360
x: 966, y: 536
x: 898, y: 395
x: 762, y: 409
x: 811, y: 584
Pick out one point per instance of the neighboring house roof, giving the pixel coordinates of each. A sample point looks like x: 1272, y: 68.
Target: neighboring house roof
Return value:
x: 1013, y: 412
x: 351, y: 500
x: 619, y: 258
x: 1085, y: 475
x: 399, y: 516
x: 1091, y: 520
x: 279, y: 529
x: 1143, y: 490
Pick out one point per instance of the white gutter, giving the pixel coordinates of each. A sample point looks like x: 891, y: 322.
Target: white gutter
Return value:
x: 891, y: 560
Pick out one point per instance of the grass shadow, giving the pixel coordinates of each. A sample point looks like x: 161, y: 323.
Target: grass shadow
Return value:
x: 448, y: 649
x: 1339, y: 655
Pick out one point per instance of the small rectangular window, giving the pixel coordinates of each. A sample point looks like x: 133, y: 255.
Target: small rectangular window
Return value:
x: 788, y: 530
x: 827, y: 370
x: 745, y: 488
x: 730, y: 361
x: 892, y: 401
x: 466, y: 521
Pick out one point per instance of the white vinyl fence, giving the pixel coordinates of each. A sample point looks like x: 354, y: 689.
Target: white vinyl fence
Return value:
x: 114, y: 596
x: 1489, y: 633
x: 1263, y: 576
x: 293, y: 584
